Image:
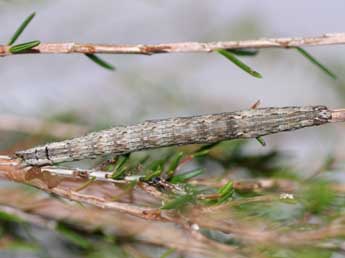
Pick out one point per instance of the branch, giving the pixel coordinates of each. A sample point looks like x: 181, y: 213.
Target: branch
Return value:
x: 30, y: 209
x: 10, y: 169
x: 182, y: 47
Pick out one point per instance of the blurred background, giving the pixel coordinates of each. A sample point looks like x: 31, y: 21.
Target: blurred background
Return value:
x: 71, y: 88
x: 147, y: 87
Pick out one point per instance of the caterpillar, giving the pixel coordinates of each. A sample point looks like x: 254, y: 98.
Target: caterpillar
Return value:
x: 202, y: 129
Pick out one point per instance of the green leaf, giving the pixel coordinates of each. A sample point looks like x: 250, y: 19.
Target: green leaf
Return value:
x: 318, y: 196
x: 24, y: 46
x: 21, y: 28
x: 239, y: 63
x: 185, y: 176
x: 261, y: 140
x: 74, y: 237
x: 225, y: 192
x: 317, y: 63
x: 179, y: 202
x: 244, y: 52
x: 174, y: 164
x: 100, y: 62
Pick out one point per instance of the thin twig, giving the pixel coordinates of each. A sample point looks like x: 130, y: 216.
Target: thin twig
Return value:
x: 182, y: 47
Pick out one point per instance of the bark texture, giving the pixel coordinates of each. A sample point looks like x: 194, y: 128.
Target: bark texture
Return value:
x: 178, y: 131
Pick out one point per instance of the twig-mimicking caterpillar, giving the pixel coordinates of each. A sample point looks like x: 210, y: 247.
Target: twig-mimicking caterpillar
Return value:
x: 201, y: 129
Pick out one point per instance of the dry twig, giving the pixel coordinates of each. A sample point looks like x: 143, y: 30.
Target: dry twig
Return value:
x: 183, y: 47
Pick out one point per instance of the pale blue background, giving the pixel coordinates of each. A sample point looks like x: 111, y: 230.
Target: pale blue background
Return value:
x: 179, y: 84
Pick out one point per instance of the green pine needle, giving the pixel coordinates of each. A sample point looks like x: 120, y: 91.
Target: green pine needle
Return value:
x: 21, y: 28
x: 155, y: 169
x: 121, y: 161
x: 261, y: 140
x: 120, y: 169
x: 317, y: 63
x: 100, y: 62
x: 244, y: 52
x: 74, y: 237
x: 185, y: 176
x: 20, y: 48
x: 204, y: 150
x: 225, y: 192
x: 179, y: 202
x: 231, y: 57
x: 174, y: 164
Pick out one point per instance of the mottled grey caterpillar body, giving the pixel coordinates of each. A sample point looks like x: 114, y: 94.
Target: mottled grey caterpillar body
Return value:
x: 201, y: 129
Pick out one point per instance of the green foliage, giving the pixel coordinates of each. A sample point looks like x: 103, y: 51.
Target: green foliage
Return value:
x: 318, y: 196
x: 100, y: 62
x: 204, y: 150
x: 230, y: 154
x: 20, y: 48
x: 182, y: 178
x: 244, y: 52
x: 225, y: 192
x: 175, y: 161
x: 108, y: 251
x: 21, y: 28
x: 270, y: 211
x: 305, y: 252
x: 74, y: 237
x: 168, y: 253
x: 120, y: 169
x: 276, y: 213
x: 229, y: 55
x: 316, y: 62
x: 261, y: 140
x: 5, y: 216
x: 121, y: 162
x: 66, y: 117
x: 155, y: 169
x: 19, y: 245
x: 179, y: 202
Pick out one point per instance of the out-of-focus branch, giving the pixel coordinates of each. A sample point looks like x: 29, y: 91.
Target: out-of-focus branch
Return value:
x: 182, y: 47
x: 11, y: 169
x: 48, y: 212
x: 223, y: 220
